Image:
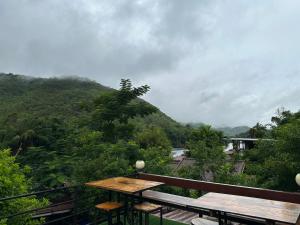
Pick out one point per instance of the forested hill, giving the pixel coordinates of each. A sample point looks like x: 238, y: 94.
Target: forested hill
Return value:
x: 233, y: 131
x: 227, y: 131
x: 36, y: 97
x: 24, y: 99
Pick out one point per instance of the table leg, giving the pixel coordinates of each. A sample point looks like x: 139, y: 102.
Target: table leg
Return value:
x: 110, y: 195
x: 140, y: 212
x: 118, y: 197
x: 126, y: 209
x: 118, y: 217
x: 225, y: 218
x: 132, y: 210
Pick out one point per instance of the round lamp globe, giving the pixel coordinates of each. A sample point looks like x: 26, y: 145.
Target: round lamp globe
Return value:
x: 297, y: 179
x: 140, y: 164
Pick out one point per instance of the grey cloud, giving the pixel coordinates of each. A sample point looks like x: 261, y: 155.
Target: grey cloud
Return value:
x: 220, y: 62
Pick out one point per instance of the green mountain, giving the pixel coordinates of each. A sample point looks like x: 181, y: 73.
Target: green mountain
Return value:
x: 24, y: 98
x: 233, y: 131
x: 195, y: 125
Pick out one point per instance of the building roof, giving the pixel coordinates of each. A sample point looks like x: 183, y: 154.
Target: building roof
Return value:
x: 249, y: 139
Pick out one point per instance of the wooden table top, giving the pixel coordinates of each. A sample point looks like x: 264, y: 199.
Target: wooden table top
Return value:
x: 124, y: 184
x: 252, y: 207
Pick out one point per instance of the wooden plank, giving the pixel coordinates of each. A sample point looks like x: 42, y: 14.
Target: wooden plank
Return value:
x: 292, y: 197
x: 252, y: 207
x: 124, y: 184
x: 167, y: 198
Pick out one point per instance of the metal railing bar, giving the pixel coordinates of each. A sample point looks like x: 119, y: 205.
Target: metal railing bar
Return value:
x: 47, y: 207
x: 37, y: 193
x: 66, y: 217
x: 36, y: 209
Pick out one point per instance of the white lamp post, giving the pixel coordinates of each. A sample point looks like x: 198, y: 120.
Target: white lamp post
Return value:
x: 297, y: 179
x: 140, y: 165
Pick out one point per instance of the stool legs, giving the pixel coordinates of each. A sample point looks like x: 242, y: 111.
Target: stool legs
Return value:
x: 146, y: 217
x: 118, y: 216
x: 109, y: 218
x: 140, y: 218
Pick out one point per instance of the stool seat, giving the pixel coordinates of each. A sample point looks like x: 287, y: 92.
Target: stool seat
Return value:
x: 147, y: 207
x: 201, y: 221
x: 109, y: 206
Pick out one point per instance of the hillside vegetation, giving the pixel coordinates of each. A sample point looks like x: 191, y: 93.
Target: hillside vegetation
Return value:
x: 24, y: 99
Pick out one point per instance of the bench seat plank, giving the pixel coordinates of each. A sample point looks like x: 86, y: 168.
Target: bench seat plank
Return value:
x: 167, y: 198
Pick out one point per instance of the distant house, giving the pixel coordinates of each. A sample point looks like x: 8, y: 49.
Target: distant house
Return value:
x: 240, y: 144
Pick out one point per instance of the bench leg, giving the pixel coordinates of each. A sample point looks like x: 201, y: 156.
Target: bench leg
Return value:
x: 200, y: 214
x: 161, y: 216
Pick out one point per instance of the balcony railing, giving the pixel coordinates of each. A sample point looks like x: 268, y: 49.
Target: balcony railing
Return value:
x: 68, y: 211
x: 293, y: 197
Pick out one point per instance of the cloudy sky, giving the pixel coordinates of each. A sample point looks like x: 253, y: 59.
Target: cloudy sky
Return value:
x: 221, y: 62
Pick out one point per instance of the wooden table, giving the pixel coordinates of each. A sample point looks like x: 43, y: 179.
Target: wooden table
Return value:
x: 271, y: 211
x: 124, y: 185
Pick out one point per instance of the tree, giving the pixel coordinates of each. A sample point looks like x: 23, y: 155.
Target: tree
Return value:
x: 155, y: 149
x: 114, y: 109
x: 225, y: 174
x: 276, y: 163
x: 258, y: 131
x: 14, y: 182
x: 153, y: 137
x: 206, y: 146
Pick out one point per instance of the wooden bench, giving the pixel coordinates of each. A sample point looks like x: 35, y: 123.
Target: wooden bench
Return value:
x: 181, y: 202
x: 176, y: 201
x: 169, y: 199
x: 201, y: 221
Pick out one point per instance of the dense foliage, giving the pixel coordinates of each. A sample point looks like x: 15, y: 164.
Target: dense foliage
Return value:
x: 77, y: 130
x: 276, y: 162
x: 54, y: 124
x: 14, y: 182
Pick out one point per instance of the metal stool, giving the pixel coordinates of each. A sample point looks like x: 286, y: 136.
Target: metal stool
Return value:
x: 147, y: 208
x: 109, y: 208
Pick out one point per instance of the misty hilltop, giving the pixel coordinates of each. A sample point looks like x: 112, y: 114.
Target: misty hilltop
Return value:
x: 24, y: 98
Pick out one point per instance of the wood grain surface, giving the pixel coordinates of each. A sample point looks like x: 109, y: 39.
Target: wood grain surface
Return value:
x: 252, y: 207
x: 124, y: 184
